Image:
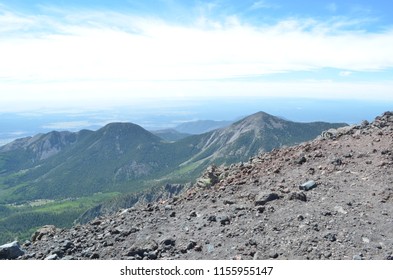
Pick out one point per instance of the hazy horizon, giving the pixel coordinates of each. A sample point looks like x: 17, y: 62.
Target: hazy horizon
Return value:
x: 21, y: 124
x: 80, y: 64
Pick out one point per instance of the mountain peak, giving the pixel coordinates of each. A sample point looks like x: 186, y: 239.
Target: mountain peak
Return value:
x: 126, y: 130
x: 313, y: 203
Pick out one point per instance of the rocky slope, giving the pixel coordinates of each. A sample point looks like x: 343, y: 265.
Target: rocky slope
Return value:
x: 331, y: 198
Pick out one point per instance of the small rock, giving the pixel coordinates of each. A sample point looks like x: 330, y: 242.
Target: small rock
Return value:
x: 69, y: 258
x: 95, y: 256
x: 141, y: 246
x: 191, y: 245
x: 152, y: 255
x: 52, y: 257
x: 228, y: 202
x: 301, y: 160
x: 298, y: 196
x: 337, y: 162
x: 308, y: 185
x: 212, y: 218
x: 264, y: 198
x: 67, y: 244
x: 273, y: 255
x: 198, y: 248
x: 168, y: 242
x: 365, y: 240
x: 331, y: 237
x: 300, y: 217
x: 96, y: 222
x: 210, y: 248
x: 357, y: 257
x: 224, y: 220
x: 340, y: 209
x: 252, y: 242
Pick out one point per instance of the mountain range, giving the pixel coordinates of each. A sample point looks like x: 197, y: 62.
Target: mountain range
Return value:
x: 124, y: 157
x: 325, y: 199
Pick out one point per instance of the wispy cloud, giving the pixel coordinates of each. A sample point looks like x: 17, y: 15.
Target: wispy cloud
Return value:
x: 345, y: 73
x: 82, y: 54
x: 262, y: 4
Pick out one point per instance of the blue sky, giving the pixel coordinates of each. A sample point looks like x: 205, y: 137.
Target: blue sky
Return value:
x: 103, y: 54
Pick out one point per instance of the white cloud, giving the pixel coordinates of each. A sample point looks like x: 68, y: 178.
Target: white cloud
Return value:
x: 345, y: 73
x: 110, y: 58
x: 262, y: 4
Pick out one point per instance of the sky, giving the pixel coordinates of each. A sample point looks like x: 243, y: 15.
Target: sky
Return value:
x: 97, y: 55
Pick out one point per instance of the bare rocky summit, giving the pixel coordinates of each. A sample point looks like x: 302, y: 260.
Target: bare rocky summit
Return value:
x: 330, y: 198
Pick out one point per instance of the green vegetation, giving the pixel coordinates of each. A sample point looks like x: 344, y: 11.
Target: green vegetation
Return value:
x: 19, y: 222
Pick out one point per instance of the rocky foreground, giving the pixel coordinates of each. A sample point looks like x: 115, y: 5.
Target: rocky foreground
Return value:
x: 331, y: 198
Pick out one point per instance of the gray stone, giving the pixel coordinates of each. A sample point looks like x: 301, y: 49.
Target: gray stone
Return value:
x: 210, y: 248
x: 300, y: 217
x: 11, y: 251
x: 337, y: 162
x: 95, y: 256
x: 43, y: 232
x: 52, y: 257
x: 298, y: 196
x: 193, y: 213
x: 224, y: 220
x: 69, y: 258
x: 308, y: 185
x: 331, y: 237
x: 228, y: 202
x: 67, y: 244
x: 273, y: 255
x: 357, y: 257
x: 262, y: 199
x: 168, y: 242
x: 141, y: 246
x: 301, y: 160
x: 212, y: 218
x: 191, y: 245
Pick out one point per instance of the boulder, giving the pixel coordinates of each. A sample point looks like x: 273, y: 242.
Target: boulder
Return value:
x: 45, y: 231
x: 11, y: 251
